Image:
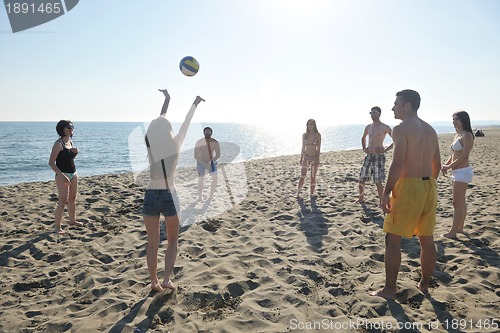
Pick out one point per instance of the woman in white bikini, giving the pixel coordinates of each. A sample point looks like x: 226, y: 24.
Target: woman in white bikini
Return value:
x: 461, y: 172
x: 309, y: 157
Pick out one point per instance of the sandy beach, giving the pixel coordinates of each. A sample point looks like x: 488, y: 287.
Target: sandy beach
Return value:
x: 255, y: 259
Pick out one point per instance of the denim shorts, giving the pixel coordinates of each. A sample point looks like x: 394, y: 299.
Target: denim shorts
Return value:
x: 160, y: 201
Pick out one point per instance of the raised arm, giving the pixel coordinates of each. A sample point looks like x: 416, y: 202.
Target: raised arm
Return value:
x: 185, y: 125
x: 167, y: 101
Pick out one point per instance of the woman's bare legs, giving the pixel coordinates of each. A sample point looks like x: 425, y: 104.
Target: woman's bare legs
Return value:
x: 62, y: 193
x: 73, y: 189
x: 172, y: 225
x: 303, y: 173
x: 314, y: 171
x: 459, y: 211
x: 152, y: 224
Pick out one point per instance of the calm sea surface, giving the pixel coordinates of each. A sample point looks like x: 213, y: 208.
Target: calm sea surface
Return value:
x: 112, y: 147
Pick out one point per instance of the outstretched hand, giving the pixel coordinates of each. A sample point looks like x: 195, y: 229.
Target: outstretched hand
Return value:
x: 198, y: 100
x: 165, y: 92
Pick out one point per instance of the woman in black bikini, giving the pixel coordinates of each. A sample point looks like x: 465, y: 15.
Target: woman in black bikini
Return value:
x: 309, y: 157
x: 62, y: 162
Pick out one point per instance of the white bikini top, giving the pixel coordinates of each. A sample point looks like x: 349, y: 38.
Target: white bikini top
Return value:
x: 456, y: 146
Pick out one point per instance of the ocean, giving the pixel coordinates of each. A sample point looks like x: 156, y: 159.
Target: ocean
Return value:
x: 118, y: 147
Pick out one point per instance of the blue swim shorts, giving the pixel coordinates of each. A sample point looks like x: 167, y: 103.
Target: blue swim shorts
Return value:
x: 158, y: 202
x: 201, y: 168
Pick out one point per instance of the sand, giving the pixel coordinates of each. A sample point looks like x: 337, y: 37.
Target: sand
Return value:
x: 255, y: 259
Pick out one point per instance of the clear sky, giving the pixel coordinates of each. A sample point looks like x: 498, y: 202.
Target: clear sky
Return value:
x: 261, y: 61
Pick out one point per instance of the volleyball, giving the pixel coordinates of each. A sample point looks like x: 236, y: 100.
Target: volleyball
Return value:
x: 189, y: 66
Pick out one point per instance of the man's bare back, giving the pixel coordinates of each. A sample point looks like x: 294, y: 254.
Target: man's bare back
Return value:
x: 421, y: 148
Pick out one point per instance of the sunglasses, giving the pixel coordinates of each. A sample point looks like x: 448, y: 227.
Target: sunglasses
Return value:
x: 373, y: 112
x: 70, y: 127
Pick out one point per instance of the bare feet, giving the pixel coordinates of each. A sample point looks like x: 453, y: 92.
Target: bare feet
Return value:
x: 424, y: 290
x: 168, y: 285
x: 59, y: 231
x: 450, y: 235
x: 156, y: 287
x: 360, y: 200
x: 383, y: 293
x: 76, y: 224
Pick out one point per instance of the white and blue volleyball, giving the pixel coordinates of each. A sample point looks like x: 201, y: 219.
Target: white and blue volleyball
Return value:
x: 189, y: 66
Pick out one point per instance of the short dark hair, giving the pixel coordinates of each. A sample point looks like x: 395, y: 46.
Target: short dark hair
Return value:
x: 61, y: 125
x: 410, y: 96
x: 208, y: 128
x: 376, y: 108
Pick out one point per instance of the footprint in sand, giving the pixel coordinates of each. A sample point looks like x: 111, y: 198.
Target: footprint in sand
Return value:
x: 211, y: 225
x: 27, y: 286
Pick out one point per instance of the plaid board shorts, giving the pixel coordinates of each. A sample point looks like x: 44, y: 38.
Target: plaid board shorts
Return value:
x: 373, y: 166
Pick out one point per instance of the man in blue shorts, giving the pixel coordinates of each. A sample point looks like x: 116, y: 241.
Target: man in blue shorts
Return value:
x: 206, y: 153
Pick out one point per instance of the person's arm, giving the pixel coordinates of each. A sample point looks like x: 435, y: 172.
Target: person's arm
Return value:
x: 397, y: 165
x: 166, y: 102
x: 389, y: 132
x: 56, y: 149
x: 187, y: 121
x: 363, y: 138
x: 196, y: 150
x: 436, y: 161
x: 467, y: 141
x: 318, y: 149
x: 303, y: 149
x: 444, y: 169
x: 217, y: 151
x: 74, y: 150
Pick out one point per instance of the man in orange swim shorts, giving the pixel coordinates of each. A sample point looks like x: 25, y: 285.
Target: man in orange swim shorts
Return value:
x: 411, y: 182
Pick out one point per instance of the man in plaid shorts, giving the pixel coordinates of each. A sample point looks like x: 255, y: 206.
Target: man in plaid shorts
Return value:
x: 374, y: 163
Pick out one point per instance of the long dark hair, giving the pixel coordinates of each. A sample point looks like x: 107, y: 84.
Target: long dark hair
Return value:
x: 163, y: 151
x: 465, y: 119
x: 314, y: 130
